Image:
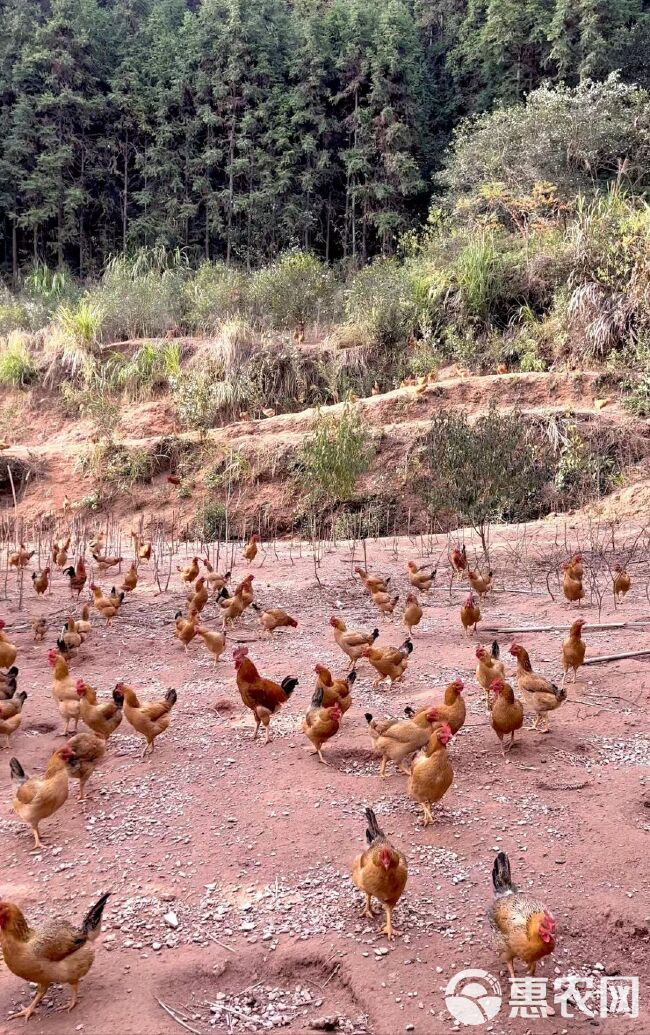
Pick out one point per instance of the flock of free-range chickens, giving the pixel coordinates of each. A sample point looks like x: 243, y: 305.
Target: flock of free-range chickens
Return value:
x: 522, y: 928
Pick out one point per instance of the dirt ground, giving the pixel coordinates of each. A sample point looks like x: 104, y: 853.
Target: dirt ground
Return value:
x: 229, y: 860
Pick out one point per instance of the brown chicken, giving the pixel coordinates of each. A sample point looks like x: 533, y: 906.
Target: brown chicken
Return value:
x: 150, y: 719
x: 70, y: 635
x: 488, y: 669
x: 412, y: 613
x: 389, y: 662
x: 506, y: 713
x: 190, y: 572
x: 104, y: 563
x: 39, y: 797
x: 21, y: 558
x: 451, y: 710
x: 572, y: 586
x: 199, y: 598
x: 103, y: 718
x: 263, y: 696
x: 41, y: 582
x: 214, y: 640
x: 185, y: 627
x: 274, y: 618
x: 522, y: 927
x: 575, y: 567
x: 83, y: 624
x: 88, y: 750
x: 216, y: 582
x: 8, y: 683
x: 106, y: 607
x: 64, y: 690
x: 542, y: 696
x: 57, y: 954
x: 481, y: 584
x: 459, y: 559
x: 573, y: 650
x: 384, y: 602
x: 77, y: 577
x: 352, y: 643
x: 431, y: 773
x: 321, y: 724
x: 130, y: 580
x: 397, y: 739
x: 8, y: 651
x: 250, y: 550
x: 245, y: 590
x: 142, y: 549
x: 421, y: 578
x: 11, y: 716
x: 380, y: 872
x: 373, y: 583
x: 335, y: 690
x: 622, y: 582
x: 470, y: 614
x: 232, y: 608
x: 39, y: 628
x: 97, y: 544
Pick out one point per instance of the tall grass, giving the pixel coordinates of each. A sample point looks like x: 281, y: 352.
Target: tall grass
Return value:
x: 17, y: 369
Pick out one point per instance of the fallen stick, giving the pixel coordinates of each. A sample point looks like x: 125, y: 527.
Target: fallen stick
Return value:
x: 176, y: 1018
x: 595, y: 627
x: 222, y: 945
x: 617, y: 657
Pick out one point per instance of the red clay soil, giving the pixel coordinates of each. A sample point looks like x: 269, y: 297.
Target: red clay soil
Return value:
x: 228, y: 860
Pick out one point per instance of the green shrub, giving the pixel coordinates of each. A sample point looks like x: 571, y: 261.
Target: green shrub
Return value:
x: 153, y: 366
x: 210, y: 523
x: 335, y: 455
x: 94, y: 404
x: 17, y: 369
x: 384, y: 298
x: 295, y: 290
x: 142, y: 295
x: 230, y: 470
x: 637, y: 396
x: 202, y: 399
x: 214, y: 294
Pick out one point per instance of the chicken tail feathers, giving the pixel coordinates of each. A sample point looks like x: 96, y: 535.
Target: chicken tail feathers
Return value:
x: 559, y: 692
x: 409, y: 712
x: 501, y: 877
x: 289, y: 684
x: 351, y: 677
x: 292, y: 623
x: 317, y: 697
x: 407, y: 647
x: 93, y: 919
x: 374, y: 831
x: 496, y: 650
x: 18, y: 774
x: 368, y: 717
x: 171, y: 697
x: 374, y: 635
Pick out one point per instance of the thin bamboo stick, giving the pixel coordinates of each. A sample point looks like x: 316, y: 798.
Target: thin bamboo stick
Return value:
x: 616, y: 657
x: 596, y: 627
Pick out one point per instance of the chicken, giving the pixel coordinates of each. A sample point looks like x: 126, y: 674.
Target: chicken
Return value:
x: 380, y: 872
x: 377, y: 727
x: 142, y: 549
x: 373, y: 583
x: 274, y: 618
x: 572, y: 586
x: 106, y: 607
x: 397, y: 739
x: 385, y: 602
x: 106, y: 563
x: 39, y: 628
x: 389, y: 662
x: 57, y: 954
x: 130, y: 580
x: 8, y: 683
x: 506, y: 713
x: 216, y: 582
x: 470, y: 613
x: 214, y: 640
x: 97, y: 544
x: 149, y: 719
x: 77, y: 577
x: 352, y: 643
x: 244, y: 590
x: 116, y: 599
x: 481, y: 584
x: 185, y: 627
x: 431, y: 773
x: 39, y: 797
x: 11, y: 716
x: 70, y: 635
x: 190, y: 572
x: 103, y: 718
x: 488, y: 669
x: 622, y: 582
x: 60, y: 553
x: 41, y: 582
x: 88, y: 750
x: 320, y: 723
x: 64, y: 690
x: 335, y: 690
x: 573, y: 650
x: 575, y: 567
x: 231, y: 609
x: 21, y: 558
x: 412, y: 613
x: 8, y: 651
x: 199, y: 598
x: 522, y: 928
x: 250, y: 550
x: 263, y: 696
x: 420, y: 578
x: 542, y: 696
x: 451, y: 710
x: 459, y: 559
x: 83, y: 624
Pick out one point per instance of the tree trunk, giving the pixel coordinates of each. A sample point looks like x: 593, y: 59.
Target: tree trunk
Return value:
x: 125, y: 193
x: 14, y: 251
x: 231, y: 190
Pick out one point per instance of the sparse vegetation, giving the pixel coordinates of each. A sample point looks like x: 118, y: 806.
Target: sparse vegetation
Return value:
x: 335, y: 456
x: 17, y: 369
